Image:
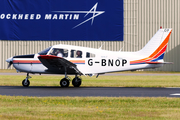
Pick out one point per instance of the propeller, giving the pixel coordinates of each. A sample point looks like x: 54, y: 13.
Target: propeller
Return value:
x: 10, y: 61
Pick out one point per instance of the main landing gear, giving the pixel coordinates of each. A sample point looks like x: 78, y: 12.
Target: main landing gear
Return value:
x: 26, y: 82
x: 76, y: 82
x: 66, y: 81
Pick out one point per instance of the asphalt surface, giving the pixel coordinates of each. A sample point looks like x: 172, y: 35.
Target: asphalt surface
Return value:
x: 40, y: 91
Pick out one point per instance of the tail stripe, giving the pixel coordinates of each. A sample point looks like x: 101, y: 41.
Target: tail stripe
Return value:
x: 160, y: 52
x: 165, y: 42
x: 156, y: 55
x: 159, y: 58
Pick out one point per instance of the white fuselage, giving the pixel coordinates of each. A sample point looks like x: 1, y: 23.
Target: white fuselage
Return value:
x: 102, y: 61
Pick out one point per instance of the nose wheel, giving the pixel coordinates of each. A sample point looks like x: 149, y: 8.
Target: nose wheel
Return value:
x: 26, y: 82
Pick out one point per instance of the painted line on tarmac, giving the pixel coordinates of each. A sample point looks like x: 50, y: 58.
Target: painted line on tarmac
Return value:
x: 176, y: 94
x: 173, y: 87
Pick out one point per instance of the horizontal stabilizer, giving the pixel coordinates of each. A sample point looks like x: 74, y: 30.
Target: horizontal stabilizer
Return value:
x: 159, y: 62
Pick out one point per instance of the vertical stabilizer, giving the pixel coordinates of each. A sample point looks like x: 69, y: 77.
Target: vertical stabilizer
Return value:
x: 153, y: 51
x: 156, y: 47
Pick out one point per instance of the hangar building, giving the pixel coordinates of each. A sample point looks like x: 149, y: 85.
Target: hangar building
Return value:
x: 142, y: 19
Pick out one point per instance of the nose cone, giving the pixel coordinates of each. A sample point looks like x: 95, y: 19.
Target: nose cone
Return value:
x: 9, y: 60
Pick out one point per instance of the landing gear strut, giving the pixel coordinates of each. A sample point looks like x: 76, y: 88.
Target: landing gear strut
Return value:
x: 65, y: 81
x: 26, y: 82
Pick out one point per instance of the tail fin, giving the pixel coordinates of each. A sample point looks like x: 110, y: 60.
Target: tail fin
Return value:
x: 156, y: 47
x: 153, y: 51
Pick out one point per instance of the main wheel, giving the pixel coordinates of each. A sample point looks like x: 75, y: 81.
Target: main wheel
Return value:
x: 26, y: 84
x: 76, y: 82
x: 64, y: 82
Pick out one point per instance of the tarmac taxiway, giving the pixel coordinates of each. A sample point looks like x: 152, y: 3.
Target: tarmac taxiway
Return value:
x: 41, y: 91
x: 46, y: 91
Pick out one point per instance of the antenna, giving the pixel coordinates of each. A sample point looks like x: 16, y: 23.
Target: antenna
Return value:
x: 101, y: 46
x: 121, y: 48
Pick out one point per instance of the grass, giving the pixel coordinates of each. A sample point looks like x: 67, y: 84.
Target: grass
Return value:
x: 98, y: 108
x: 101, y: 81
x: 7, y: 70
x: 88, y: 108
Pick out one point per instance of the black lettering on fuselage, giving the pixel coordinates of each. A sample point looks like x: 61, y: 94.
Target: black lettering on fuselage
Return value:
x: 110, y: 62
x: 124, y: 62
x: 90, y: 63
x: 103, y: 62
x: 117, y: 62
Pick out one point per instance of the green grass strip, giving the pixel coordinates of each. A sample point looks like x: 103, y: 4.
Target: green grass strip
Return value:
x: 101, y: 81
x: 88, y: 108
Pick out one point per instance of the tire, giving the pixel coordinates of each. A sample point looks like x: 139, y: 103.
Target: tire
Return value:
x: 76, y: 82
x: 26, y: 84
x: 64, y: 82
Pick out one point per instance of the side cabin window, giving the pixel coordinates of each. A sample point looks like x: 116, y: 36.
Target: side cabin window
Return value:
x: 89, y: 55
x: 76, y: 54
x: 59, y: 52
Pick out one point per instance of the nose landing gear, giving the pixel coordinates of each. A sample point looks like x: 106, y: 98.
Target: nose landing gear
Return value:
x: 26, y: 82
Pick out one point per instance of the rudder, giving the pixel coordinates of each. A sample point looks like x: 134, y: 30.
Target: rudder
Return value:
x: 156, y: 47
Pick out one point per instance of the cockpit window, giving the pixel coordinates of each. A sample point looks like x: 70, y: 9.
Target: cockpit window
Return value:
x: 59, y: 52
x: 45, y: 51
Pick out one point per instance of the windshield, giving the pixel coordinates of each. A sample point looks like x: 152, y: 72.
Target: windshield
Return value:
x: 60, y: 52
x: 45, y: 51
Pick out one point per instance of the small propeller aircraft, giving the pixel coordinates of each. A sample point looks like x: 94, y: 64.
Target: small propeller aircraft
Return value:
x: 75, y: 60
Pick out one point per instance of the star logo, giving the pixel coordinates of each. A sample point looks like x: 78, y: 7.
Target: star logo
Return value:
x: 91, y: 11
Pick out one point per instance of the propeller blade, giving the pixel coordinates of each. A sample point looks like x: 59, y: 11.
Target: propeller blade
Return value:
x: 10, y: 63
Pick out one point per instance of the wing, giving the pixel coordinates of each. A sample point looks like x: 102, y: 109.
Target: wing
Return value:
x: 53, y: 62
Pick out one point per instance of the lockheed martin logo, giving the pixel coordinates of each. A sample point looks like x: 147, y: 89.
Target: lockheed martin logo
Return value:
x: 65, y: 15
x: 91, y: 11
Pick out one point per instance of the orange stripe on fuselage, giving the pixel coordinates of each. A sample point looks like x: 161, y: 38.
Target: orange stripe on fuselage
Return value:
x: 37, y: 61
x: 77, y: 61
x: 26, y: 61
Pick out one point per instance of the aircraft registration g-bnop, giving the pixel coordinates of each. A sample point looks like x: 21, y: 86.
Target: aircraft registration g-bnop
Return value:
x: 68, y: 59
